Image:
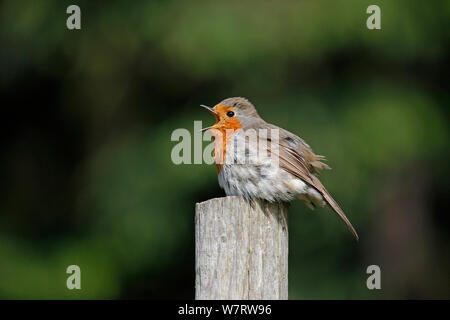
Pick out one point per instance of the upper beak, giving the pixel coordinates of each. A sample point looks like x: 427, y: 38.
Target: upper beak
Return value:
x: 214, y: 112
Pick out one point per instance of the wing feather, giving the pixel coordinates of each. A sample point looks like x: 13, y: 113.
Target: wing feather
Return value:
x: 297, y: 158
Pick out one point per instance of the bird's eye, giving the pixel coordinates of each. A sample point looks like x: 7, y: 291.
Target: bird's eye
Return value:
x: 230, y: 114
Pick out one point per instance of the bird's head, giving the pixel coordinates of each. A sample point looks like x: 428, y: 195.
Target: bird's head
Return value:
x: 233, y: 114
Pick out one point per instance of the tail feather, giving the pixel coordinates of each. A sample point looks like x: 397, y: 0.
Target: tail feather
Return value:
x: 340, y: 213
x: 333, y: 204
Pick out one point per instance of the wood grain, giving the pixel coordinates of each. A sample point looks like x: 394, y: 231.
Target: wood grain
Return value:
x: 241, y: 249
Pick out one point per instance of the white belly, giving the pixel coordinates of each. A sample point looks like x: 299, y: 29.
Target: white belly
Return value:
x: 253, y: 175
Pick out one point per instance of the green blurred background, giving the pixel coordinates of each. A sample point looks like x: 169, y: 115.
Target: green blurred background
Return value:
x: 85, y: 171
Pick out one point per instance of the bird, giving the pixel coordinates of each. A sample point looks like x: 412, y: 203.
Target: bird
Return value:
x: 256, y: 159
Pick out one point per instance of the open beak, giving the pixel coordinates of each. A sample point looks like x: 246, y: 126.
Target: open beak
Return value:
x: 215, y: 114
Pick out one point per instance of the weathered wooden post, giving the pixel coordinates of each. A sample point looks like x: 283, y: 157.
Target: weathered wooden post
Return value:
x: 241, y: 249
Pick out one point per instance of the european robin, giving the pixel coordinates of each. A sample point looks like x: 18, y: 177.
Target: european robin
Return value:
x: 287, y: 169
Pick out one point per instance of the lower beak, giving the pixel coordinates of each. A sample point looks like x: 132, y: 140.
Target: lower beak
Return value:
x: 215, y: 114
x: 205, y: 129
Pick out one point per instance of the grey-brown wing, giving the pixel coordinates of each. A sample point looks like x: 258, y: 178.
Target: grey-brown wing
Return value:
x: 300, y: 149
x: 297, y: 158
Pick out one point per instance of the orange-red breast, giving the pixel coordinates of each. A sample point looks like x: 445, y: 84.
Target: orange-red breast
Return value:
x: 254, y: 174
